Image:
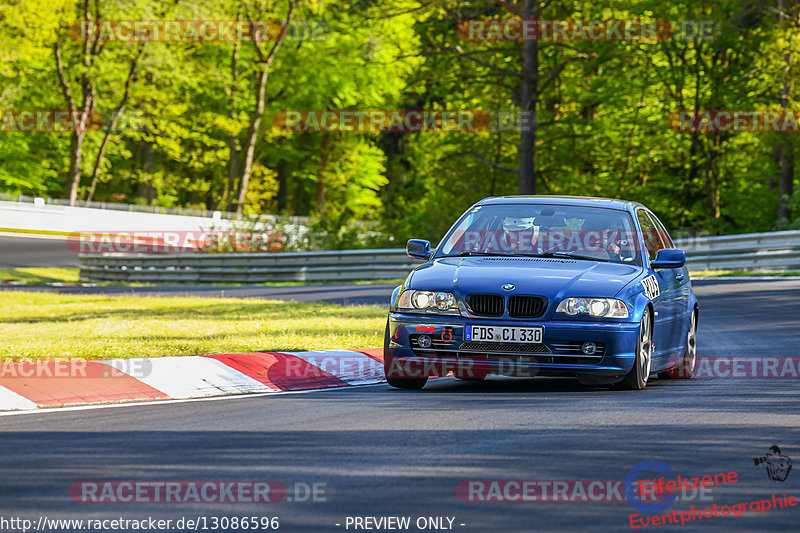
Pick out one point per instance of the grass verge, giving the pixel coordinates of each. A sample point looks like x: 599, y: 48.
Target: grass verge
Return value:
x: 48, y: 326
x: 40, y: 275
x: 36, y: 232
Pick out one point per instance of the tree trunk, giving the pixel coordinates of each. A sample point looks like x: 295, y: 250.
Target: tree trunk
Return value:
x: 250, y: 141
x: 75, y: 155
x: 282, y: 193
x: 785, y: 183
x: 325, y: 153
x: 529, y: 94
x: 80, y: 115
x: 148, y: 157
x: 261, y: 88
x: 148, y: 164
x: 98, y: 164
x: 785, y: 152
x: 712, y: 187
x: 233, y: 153
x: 299, y: 198
x: 79, y: 119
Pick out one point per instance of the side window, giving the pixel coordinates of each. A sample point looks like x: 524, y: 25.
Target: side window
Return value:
x: 664, y: 234
x: 650, y: 233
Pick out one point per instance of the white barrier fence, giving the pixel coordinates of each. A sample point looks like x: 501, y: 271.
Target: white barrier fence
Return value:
x: 55, y: 219
x: 134, y: 208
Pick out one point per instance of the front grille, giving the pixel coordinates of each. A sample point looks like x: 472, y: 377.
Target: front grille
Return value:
x: 520, y: 306
x: 502, y: 347
x: 485, y: 304
x: 528, y: 259
x: 507, y: 360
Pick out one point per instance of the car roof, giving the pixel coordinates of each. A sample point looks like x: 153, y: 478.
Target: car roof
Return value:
x: 583, y: 201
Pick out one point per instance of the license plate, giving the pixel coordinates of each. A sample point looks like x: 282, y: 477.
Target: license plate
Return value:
x: 532, y: 335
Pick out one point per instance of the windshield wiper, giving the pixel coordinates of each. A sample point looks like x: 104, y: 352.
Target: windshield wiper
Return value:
x: 569, y: 255
x: 466, y: 254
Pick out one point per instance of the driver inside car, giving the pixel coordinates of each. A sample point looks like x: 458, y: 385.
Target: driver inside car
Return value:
x: 519, y: 234
x: 617, y: 246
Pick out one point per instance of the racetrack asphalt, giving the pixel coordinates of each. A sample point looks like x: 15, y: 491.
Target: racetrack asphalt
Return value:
x: 31, y: 251
x: 386, y: 452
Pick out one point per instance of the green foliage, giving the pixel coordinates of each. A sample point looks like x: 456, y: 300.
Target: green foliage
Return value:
x: 603, y: 116
x: 795, y: 206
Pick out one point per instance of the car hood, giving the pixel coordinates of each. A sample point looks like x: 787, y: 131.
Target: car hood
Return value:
x: 552, y: 278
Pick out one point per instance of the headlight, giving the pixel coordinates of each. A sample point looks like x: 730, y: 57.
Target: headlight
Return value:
x: 424, y: 301
x: 600, y: 307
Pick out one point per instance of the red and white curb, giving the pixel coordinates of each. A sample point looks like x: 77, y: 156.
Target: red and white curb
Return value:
x: 26, y: 386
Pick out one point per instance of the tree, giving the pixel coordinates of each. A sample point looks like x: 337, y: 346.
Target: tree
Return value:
x: 84, y: 70
x: 265, y: 58
x: 783, y: 152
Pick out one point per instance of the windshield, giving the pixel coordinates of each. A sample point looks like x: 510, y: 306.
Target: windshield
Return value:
x: 591, y: 233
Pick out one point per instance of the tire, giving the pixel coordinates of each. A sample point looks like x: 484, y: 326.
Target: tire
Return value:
x: 396, y: 382
x: 637, y: 377
x: 685, y: 370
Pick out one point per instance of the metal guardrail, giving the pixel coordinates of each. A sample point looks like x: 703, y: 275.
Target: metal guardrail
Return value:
x: 347, y: 265
x: 774, y: 251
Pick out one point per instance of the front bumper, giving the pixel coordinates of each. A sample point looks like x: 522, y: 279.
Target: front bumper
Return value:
x: 559, y: 354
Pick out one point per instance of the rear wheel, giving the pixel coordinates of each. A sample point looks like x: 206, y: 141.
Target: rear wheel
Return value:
x: 637, y: 377
x: 392, y: 370
x: 685, y: 370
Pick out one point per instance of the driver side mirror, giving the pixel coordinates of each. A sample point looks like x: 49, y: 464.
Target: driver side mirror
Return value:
x: 419, y: 249
x: 669, y: 258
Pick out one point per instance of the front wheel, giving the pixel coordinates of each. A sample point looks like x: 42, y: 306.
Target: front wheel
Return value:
x: 393, y: 371
x: 637, y: 377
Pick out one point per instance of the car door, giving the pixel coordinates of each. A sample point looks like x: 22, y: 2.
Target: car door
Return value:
x: 683, y: 288
x: 664, y: 302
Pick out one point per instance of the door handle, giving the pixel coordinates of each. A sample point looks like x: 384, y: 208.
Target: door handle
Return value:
x: 679, y: 276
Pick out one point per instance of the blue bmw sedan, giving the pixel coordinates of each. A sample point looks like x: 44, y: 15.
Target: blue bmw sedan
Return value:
x: 526, y: 286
